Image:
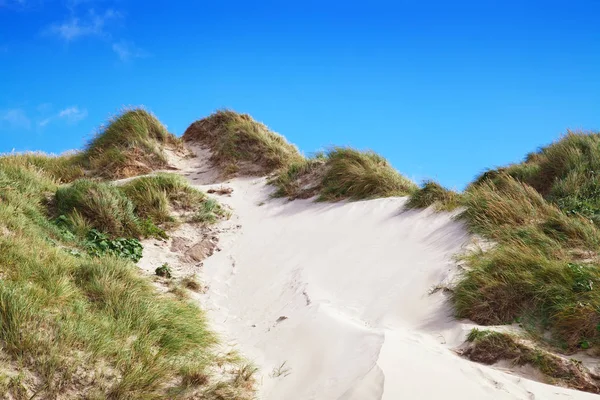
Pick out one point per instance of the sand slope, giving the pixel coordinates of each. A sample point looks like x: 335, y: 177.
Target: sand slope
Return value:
x: 334, y: 301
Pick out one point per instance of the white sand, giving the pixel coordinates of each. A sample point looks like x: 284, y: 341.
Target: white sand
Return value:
x: 340, y: 293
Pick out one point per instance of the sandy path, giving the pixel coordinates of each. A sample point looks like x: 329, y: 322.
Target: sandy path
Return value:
x: 333, y: 301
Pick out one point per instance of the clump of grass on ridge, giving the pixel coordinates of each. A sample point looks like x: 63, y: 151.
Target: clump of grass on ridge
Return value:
x: 342, y: 173
x: 301, y: 179
x: 131, y: 144
x: 432, y: 193
x: 241, y: 145
x: 489, y: 347
x: 566, y: 173
x: 356, y: 175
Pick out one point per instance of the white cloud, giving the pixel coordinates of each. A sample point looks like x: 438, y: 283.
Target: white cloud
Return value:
x: 128, y: 51
x: 92, y: 25
x: 15, y: 118
x: 44, y: 122
x: 73, y: 114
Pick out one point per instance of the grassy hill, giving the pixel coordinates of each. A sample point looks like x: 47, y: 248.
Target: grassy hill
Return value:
x: 77, y: 319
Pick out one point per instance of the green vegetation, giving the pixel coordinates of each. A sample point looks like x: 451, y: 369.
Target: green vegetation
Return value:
x: 141, y: 207
x: 164, y: 271
x: 301, y: 179
x: 361, y: 175
x: 98, y: 243
x: 102, y: 205
x: 342, y: 173
x: 489, y: 347
x: 77, y: 319
x: 154, y: 195
x: 566, y: 173
x: 131, y: 144
x: 241, y: 145
x: 432, y: 193
x: 209, y: 212
x: 62, y: 169
x: 543, y: 269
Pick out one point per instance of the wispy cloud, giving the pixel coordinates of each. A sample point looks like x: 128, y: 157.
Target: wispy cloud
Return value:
x: 70, y: 115
x: 73, y: 114
x: 127, y: 51
x: 92, y: 24
x: 15, y: 118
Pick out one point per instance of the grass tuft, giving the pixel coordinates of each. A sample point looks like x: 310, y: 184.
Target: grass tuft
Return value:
x: 102, y: 205
x: 153, y: 197
x: 342, y: 173
x: 432, y: 193
x: 240, y: 145
x: 130, y: 144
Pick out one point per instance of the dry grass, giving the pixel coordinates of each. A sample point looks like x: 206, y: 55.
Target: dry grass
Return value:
x: 130, y: 144
x: 565, y: 173
x: 240, y: 145
x: 155, y: 197
x: 543, y: 270
x: 101, y: 205
x: 489, y: 347
x: 342, y: 173
x: 433, y: 194
x: 63, y: 169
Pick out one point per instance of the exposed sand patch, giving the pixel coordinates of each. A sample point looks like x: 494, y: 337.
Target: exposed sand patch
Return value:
x: 336, y: 301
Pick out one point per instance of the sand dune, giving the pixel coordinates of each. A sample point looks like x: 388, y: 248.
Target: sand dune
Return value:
x: 337, y: 301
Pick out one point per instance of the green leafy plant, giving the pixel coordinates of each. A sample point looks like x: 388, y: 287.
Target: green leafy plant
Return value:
x: 98, y: 243
x: 164, y: 271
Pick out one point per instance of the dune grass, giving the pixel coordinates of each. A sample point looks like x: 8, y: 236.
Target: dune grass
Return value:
x: 432, y: 193
x: 543, y: 269
x: 156, y: 196
x: 63, y: 169
x: 356, y: 175
x: 130, y: 144
x: 83, y: 326
x: 142, y: 207
x: 240, y: 145
x: 489, y: 347
x: 342, y: 173
x: 566, y: 173
x: 102, y: 205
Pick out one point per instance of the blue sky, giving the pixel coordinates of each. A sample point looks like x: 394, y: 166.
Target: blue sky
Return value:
x: 442, y: 89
